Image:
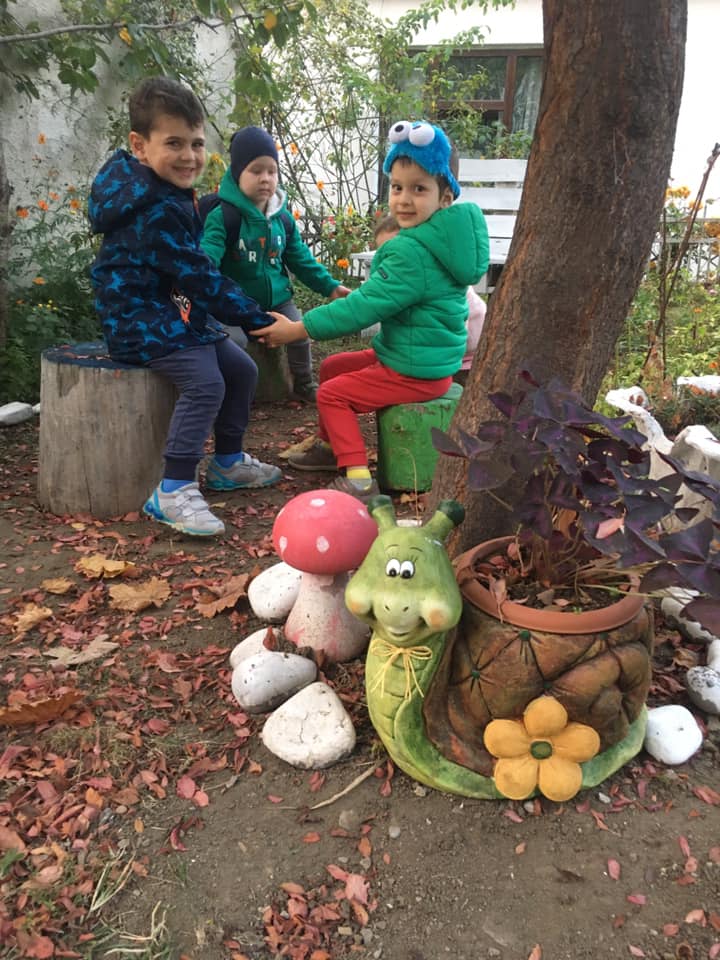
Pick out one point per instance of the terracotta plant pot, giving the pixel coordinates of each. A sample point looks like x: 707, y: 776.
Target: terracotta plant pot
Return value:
x: 595, y: 663
x: 549, y: 621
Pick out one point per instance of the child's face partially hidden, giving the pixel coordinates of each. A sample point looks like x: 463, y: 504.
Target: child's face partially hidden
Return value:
x: 414, y: 194
x: 174, y: 150
x: 259, y: 181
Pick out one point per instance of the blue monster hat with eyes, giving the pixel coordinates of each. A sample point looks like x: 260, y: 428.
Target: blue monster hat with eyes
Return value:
x: 424, y: 144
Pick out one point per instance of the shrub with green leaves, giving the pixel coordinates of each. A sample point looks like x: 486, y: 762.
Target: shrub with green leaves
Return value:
x: 50, y: 296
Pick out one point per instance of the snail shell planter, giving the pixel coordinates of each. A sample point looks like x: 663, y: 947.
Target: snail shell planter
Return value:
x: 482, y: 707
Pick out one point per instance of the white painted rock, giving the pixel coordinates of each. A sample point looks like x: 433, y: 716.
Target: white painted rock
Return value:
x: 263, y: 681
x: 252, y: 644
x: 15, y: 412
x: 713, y: 655
x: 703, y: 687
x: 673, y: 601
x: 274, y: 591
x: 673, y: 735
x: 312, y: 730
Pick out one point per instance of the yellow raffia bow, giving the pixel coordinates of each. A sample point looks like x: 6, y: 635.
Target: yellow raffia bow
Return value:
x: 383, y: 648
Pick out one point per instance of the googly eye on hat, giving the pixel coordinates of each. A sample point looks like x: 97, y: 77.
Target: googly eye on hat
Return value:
x: 424, y: 144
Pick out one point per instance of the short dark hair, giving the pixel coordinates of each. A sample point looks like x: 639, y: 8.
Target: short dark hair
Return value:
x: 160, y: 95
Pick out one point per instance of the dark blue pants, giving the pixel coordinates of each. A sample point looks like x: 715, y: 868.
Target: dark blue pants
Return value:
x: 217, y: 384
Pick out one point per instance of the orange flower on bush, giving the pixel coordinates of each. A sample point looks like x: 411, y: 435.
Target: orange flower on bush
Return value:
x: 540, y: 751
x: 296, y: 214
x: 43, y: 205
x: 38, y: 281
x: 293, y: 149
x: 343, y: 263
x: 41, y: 138
x: 320, y: 184
x: 22, y: 212
x: 54, y: 196
x: 74, y: 204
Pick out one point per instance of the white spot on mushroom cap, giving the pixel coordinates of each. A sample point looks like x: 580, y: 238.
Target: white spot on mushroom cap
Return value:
x: 322, y: 544
x: 318, y: 502
x: 282, y: 544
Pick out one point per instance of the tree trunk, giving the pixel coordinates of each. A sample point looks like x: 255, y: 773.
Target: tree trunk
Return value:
x: 591, y: 204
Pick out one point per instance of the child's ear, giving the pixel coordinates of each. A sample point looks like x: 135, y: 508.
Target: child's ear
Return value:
x: 137, y: 144
x: 446, y: 197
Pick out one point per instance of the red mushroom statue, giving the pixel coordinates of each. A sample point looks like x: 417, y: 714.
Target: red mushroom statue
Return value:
x: 326, y: 535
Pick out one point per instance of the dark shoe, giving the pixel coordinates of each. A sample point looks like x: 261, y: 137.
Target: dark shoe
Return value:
x: 318, y: 457
x: 305, y: 391
x: 363, y: 494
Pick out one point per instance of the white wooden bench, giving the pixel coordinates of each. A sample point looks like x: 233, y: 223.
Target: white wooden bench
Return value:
x: 496, y: 187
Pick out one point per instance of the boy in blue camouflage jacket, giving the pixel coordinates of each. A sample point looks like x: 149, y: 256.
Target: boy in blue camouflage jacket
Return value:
x: 160, y: 298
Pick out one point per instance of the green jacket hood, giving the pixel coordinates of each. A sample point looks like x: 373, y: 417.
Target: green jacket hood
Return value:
x: 457, y: 237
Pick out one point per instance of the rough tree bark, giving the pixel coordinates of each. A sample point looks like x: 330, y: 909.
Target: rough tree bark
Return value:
x: 594, y: 189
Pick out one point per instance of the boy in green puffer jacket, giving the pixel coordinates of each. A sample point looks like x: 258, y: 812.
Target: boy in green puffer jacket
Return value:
x: 416, y: 291
x: 268, y: 246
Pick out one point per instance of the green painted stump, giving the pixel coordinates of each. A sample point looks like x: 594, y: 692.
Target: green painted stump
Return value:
x: 406, y: 456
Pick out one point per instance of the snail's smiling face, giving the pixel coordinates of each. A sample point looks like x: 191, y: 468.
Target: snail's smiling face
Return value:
x: 405, y: 588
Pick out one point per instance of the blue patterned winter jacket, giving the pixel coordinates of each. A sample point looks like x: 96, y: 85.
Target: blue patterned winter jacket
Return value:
x: 156, y: 290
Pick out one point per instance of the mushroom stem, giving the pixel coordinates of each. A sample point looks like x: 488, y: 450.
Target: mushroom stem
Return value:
x: 320, y: 619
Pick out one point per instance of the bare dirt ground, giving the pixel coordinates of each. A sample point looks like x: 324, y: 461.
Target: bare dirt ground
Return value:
x: 148, y: 820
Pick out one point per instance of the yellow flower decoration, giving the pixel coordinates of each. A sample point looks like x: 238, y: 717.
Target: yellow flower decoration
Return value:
x: 270, y: 20
x: 540, y: 751
x: 124, y: 35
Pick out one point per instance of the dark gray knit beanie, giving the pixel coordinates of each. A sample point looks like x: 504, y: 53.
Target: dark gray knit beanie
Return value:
x: 248, y: 144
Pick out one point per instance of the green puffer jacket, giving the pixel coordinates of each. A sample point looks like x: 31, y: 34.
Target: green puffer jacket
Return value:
x: 417, y: 292
x: 266, y: 251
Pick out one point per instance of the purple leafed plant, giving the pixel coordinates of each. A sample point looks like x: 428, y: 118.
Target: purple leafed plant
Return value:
x: 586, y: 508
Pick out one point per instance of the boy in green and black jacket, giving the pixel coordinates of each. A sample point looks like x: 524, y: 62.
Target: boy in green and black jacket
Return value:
x: 268, y: 247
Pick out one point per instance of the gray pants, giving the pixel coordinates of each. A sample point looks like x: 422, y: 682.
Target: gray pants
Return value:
x: 299, y: 354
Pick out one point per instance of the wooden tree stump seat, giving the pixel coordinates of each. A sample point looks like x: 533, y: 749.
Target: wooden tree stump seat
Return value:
x: 102, y: 431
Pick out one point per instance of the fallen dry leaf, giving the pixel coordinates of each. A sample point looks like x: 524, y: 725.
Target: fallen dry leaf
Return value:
x: 228, y: 595
x: 613, y: 869
x: 59, y: 585
x: 9, y: 840
x: 96, y: 649
x: 134, y: 598
x: 30, y: 616
x: 98, y: 566
x: 38, y: 711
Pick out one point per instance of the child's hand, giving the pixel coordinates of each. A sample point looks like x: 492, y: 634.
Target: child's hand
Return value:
x: 339, y: 292
x: 282, y: 331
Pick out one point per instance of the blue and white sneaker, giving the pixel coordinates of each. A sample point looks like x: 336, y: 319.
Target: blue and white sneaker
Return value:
x: 245, y: 473
x: 184, y: 510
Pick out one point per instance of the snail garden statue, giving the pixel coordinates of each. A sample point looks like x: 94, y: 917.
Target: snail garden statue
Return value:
x: 406, y: 590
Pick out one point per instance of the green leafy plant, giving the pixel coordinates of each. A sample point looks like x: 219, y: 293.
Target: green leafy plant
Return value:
x: 50, y: 297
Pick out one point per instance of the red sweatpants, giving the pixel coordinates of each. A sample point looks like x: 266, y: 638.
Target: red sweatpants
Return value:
x: 356, y: 382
